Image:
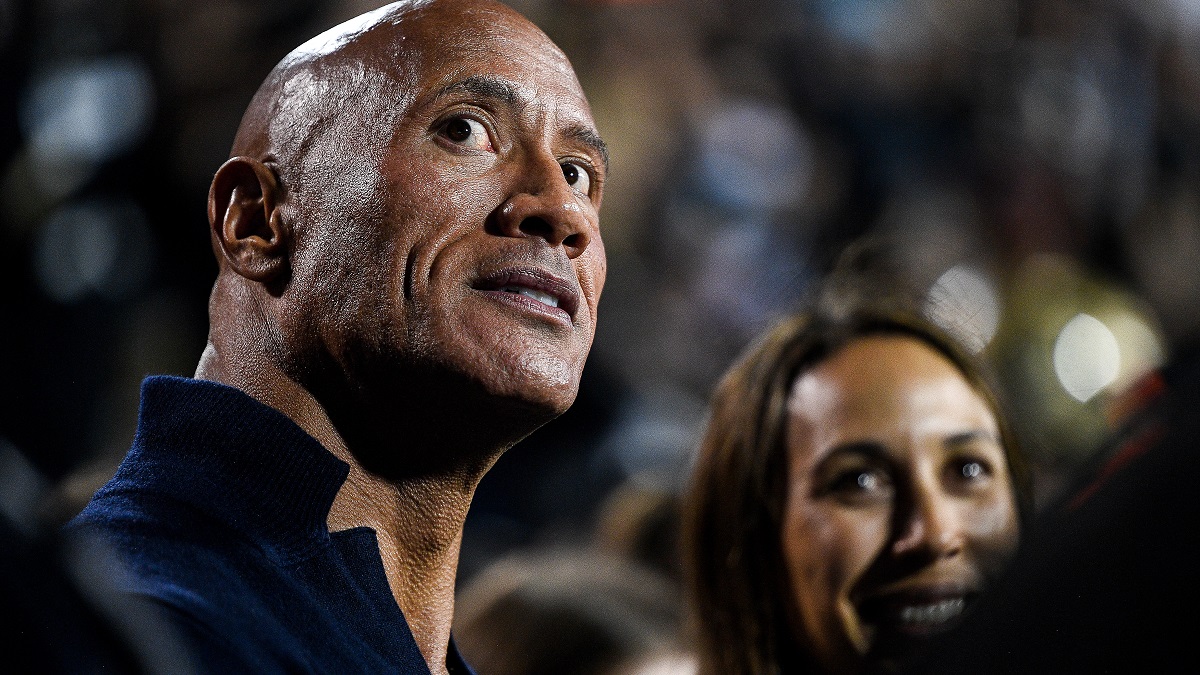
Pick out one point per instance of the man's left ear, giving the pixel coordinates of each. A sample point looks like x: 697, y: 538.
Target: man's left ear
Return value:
x: 247, y: 227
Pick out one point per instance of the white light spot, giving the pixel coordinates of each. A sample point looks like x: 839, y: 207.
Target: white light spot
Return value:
x: 80, y: 115
x: 1187, y: 12
x: 667, y: 664
x: 965, y: 303
x: 892, y: 28
x: 21, y: 489
x: 1087, y: 357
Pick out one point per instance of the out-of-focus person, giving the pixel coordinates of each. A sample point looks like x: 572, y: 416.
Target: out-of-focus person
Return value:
x: 571, y: 611
x: 856, y: 489
x: 640, y: 521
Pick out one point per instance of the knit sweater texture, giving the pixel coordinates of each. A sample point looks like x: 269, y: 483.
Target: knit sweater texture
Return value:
x: 218, y: 515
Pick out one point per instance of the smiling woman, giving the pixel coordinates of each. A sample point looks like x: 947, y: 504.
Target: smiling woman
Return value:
x: 856, y: 489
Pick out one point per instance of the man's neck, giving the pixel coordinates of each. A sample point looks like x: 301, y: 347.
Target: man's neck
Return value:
x: 418, y: 524
x: 418, y: 521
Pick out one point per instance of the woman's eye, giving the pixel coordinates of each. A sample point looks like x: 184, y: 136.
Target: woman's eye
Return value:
x: 867, y: 481
x: 577, y: 177
x: 970, y: 471
x: 860, y: 482
x: 468, y: 133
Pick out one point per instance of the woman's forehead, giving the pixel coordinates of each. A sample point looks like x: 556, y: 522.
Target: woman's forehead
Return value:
x: 883, y: 384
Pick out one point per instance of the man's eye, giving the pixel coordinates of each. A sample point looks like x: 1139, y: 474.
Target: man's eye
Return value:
x: 577, y: 177
x: 468, y: 133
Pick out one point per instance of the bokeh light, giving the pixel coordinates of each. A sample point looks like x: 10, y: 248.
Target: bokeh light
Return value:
x: 1087, y: 358
x: 75, y: 116
x: 966, y: 303
x: 754, y: 156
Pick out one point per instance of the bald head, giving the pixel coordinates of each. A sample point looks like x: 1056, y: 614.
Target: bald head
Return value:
x: 414, y: 197
x: 370, y: 65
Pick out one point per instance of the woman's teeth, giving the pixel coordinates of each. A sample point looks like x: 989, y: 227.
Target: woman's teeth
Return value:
x: 544, y: 298
x: 936, y: 613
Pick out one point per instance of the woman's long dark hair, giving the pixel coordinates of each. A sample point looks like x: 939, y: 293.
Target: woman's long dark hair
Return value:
x: 733, y: 511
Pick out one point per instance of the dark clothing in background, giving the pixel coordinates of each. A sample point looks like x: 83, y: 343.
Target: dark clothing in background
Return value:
x: 59, y: 614
x: 1107, y: 582
x: 218, y: 513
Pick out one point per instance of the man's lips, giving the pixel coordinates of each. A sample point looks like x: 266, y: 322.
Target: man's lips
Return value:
x: 534, y: 287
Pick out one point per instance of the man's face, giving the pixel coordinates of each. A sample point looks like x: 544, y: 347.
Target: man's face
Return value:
x: 451, y: 221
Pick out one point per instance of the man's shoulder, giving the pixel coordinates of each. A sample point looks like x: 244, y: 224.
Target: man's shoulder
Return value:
x: 218, y: 516
x: 185, y: 575
x: 239, y: 603
x: 168, y: 550
x: 228, y: 600
x: 140, y: 518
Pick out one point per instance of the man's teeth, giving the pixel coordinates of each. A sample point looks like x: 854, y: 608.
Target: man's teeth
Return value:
x: 939, y: 612
x: 544, y: 298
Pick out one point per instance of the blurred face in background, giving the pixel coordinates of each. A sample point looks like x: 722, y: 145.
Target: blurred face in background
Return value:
x: 900, y: 506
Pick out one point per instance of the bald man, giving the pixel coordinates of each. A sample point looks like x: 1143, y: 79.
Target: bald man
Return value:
x: 410, y: 262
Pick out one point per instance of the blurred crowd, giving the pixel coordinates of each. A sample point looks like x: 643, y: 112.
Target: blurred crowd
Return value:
x: 1028, y: 166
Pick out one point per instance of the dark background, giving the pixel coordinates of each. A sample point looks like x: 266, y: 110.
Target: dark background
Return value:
x: 1031, y: 164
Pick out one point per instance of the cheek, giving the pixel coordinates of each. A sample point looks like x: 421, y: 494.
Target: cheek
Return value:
x: 439, y: 188
x: 827, y: 551
x: 595, y: 268
x: 995, y: 530
x: 336, y: 295
x: 440, y: 225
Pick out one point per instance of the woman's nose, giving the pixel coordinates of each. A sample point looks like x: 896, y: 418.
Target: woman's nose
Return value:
x: 932, y: 526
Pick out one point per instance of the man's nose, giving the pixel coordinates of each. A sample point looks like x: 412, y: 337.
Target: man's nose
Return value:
x: 931, y: 527
x: 544, y: 205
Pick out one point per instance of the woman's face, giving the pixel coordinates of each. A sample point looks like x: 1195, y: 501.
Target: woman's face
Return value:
x: 899, y: 506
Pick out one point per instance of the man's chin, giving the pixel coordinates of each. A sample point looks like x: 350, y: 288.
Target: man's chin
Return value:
x: 532, y: 406
x: 540, y: 384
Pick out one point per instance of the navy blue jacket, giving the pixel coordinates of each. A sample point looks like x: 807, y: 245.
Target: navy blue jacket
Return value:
x: 218, y: 515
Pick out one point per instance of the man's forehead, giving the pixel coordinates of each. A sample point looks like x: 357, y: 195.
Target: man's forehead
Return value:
x: 508, y: 62
x: 420, y: 41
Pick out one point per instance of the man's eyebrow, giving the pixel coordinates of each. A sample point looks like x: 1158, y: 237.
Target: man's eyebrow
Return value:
x: 591, y: 139
x: 486, y: 86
